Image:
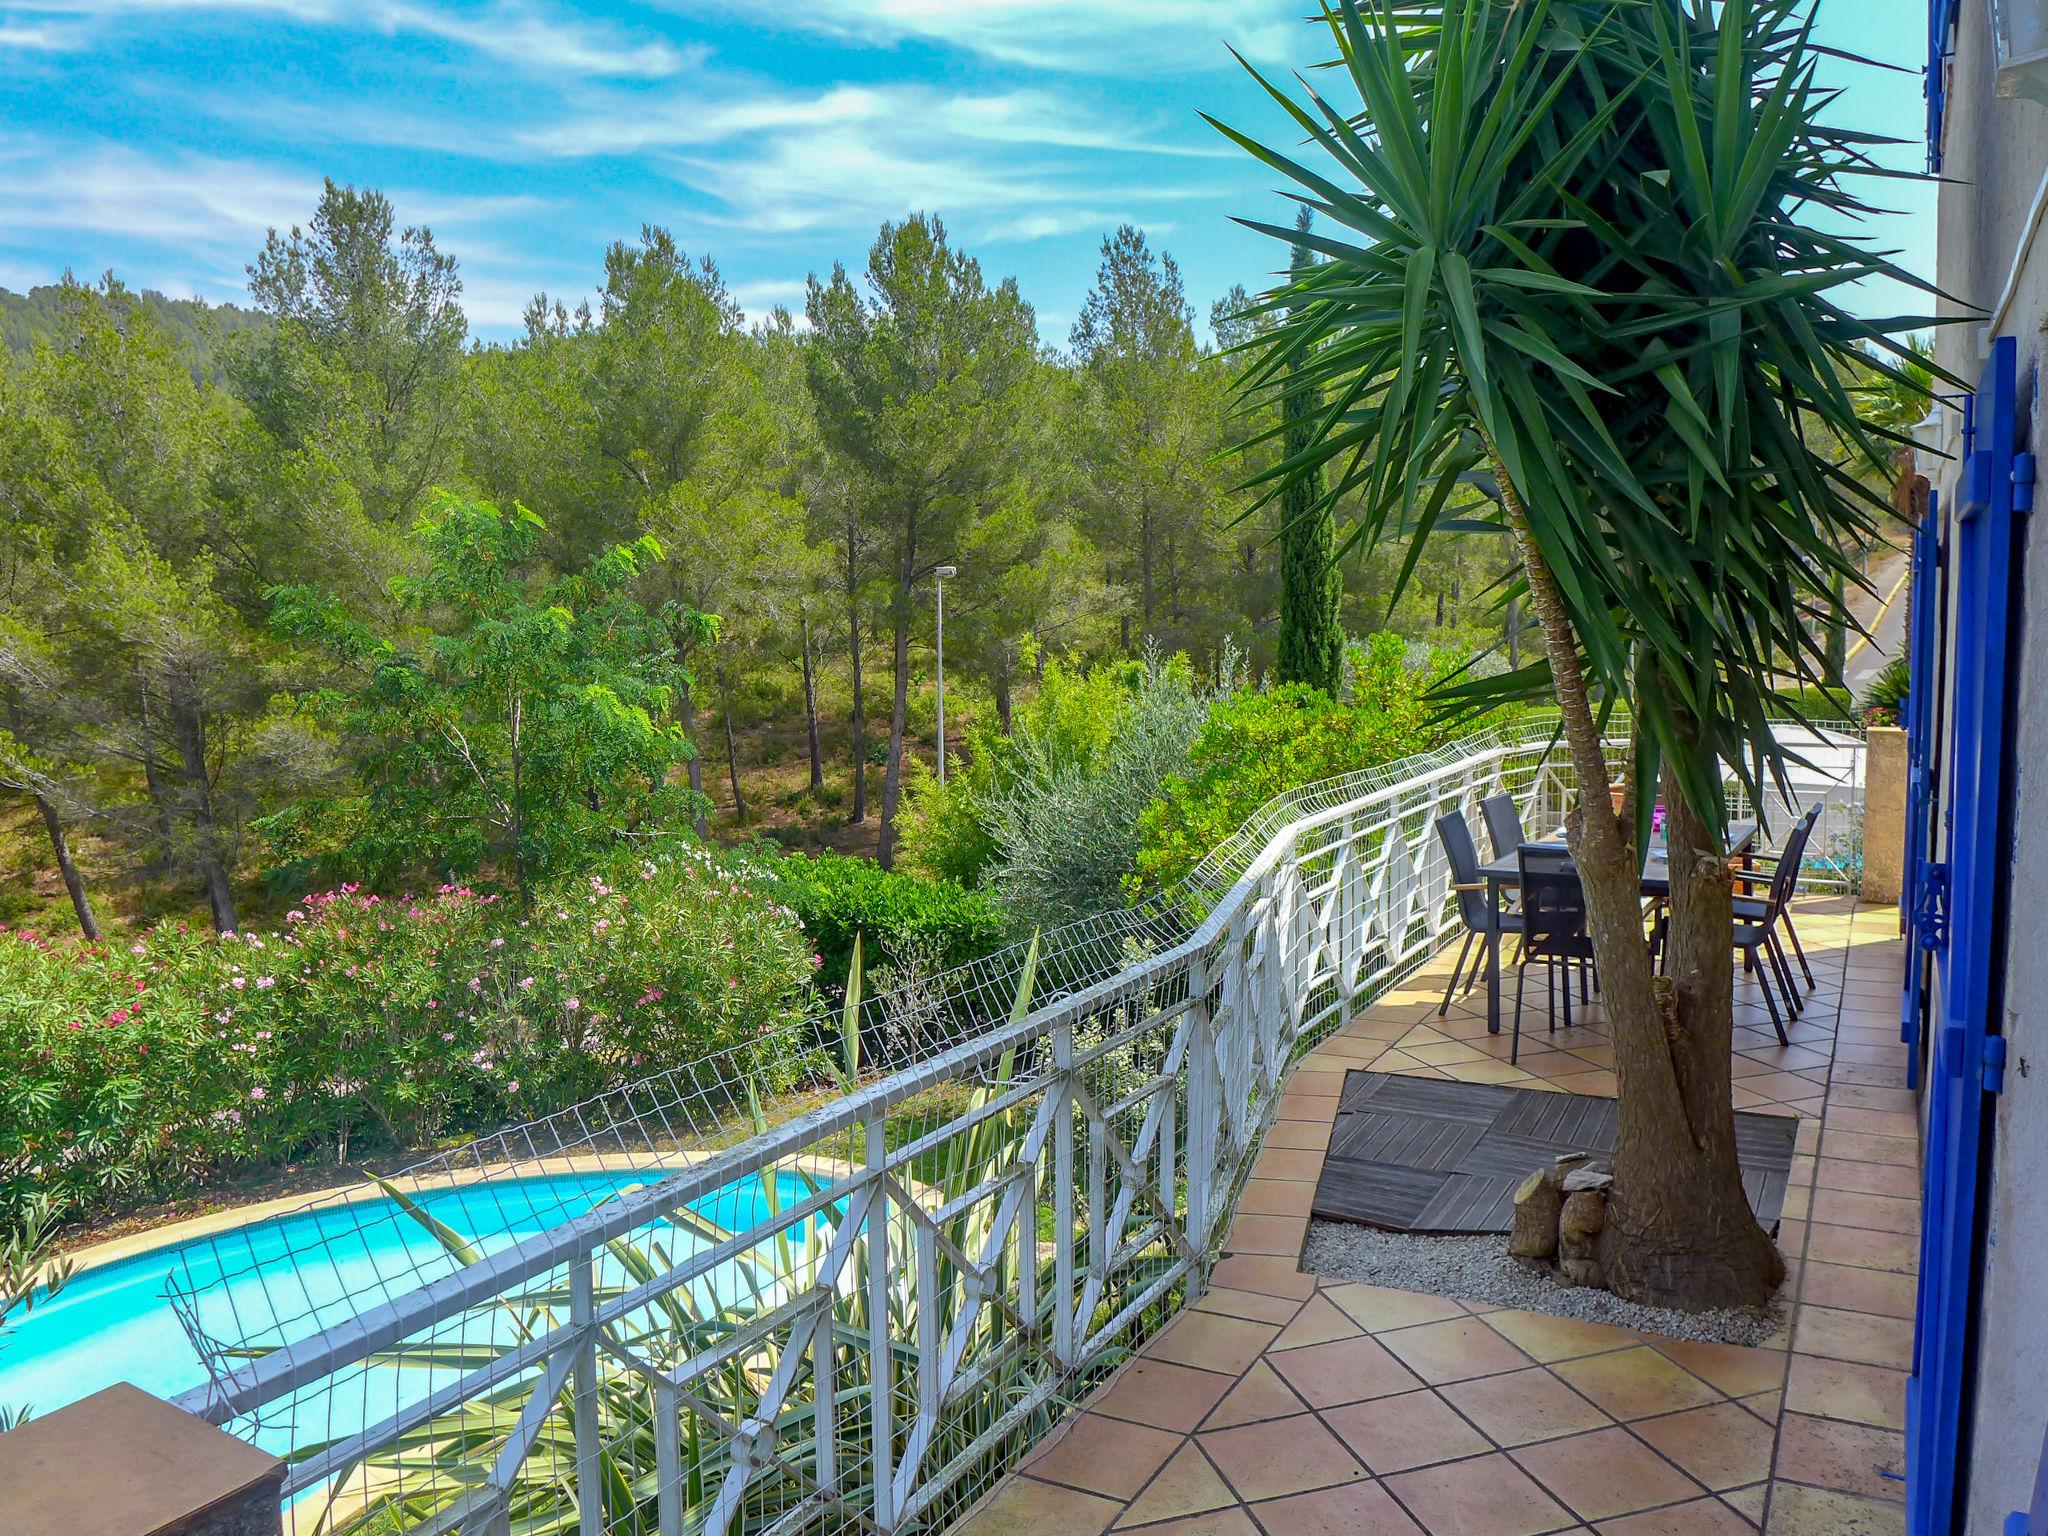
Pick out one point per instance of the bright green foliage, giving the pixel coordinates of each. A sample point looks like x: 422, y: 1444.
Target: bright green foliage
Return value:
x: 1311, y: 590
x: 522, y: 731
x: 129, y: 1071
x: 1258, y: 745
x: 1564, y: 240
x: 1885, y: 696
x: 1066, y: 725
x: 842, y: 900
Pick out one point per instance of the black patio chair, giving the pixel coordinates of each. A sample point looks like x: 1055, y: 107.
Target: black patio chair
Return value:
x: 1756, y: 930
x: 1477, y: 913
x: 1553, y: 915
x: 1503, y: 825
x: 1794, y: 854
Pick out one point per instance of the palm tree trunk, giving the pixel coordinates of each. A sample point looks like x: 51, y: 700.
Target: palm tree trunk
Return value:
x: 1680, y: 1231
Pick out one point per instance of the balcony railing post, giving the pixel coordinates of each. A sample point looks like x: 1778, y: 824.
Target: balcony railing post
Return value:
x: 881, y: 1353
x: 589, y: 1448
x: 1204, y: 1102
x: 1063, y: 1343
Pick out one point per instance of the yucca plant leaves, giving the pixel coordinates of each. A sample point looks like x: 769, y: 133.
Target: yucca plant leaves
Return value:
x: 1571, y: 232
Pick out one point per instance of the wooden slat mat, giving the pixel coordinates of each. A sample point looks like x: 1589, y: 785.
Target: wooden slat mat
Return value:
x: 1423, y: 1154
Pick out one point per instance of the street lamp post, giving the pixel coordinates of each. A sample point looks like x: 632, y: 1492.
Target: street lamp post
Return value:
x: 944, y: 573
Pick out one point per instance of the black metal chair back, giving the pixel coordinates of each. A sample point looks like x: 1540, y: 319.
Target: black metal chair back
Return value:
x: 1456, y: 836
x: 1553, y: 900
x: 1503, y: 824
x: 1785, y: 881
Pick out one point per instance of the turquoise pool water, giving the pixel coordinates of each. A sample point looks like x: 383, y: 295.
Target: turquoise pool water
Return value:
x: 287, y: 1277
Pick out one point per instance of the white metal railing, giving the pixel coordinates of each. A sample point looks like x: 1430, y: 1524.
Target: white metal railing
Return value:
x: 859, y: 1318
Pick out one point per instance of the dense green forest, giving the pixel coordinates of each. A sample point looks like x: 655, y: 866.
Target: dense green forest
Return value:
x: 322, y: 589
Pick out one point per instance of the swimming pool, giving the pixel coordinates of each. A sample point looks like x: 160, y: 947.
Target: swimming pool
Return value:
x: 288, y: 1276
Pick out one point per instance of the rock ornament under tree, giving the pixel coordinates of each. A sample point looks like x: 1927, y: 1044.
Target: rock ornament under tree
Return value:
x: 1560, y: 1212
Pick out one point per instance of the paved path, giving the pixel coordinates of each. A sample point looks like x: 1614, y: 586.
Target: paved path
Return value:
x: 1283, y: 1404
x: 1885, y: 619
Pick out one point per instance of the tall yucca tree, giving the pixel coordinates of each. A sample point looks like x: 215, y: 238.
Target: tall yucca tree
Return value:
x: 1563, y: 255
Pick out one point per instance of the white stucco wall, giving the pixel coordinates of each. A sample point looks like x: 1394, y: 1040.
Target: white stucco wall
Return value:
x: 1996, y: 151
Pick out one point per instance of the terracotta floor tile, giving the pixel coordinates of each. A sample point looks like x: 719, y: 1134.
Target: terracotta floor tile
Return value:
x: 1021, y: 1507
x: 1701, y: 1517
x: 1316, y: 1108
x: 1485, y: 1496
x: 1857, y: 1290
x: 1839, y: 1389
x: 1797, y: 1511
x: 1454, y: 1350
x: 1222, y: 1522
x: 1881, y: 1213
x: 1450, y: 1053
x: 1875, y: 1122
x: 1524, y: 1406
x: 1253, y: 1305
x: 1415, y: 1429
x: 1765, y: 1405
x: 1276, y: 1197
x: 1104, y: 1455
x: 1260, y: 1395
x: 1347, y: 1371
x: 1355, y: 1509
x: 1313, y: 1080
x: 1856, y: 1336
x: 1850, y: 1458
x: 1271, y: 1277
x: 1546, y: 1338
x: 1606, y: 1473
x: 1280, y: 1236
x: 1297, y: 1136
x: 1860, y: 1148
x: 1161, y: 1394
x: 1748, y: 1502
x: 1211, y: 1342
x: 1601, y: 1084
x: 1736, y: 1370
x: 1636, y: 1383
x: 1186, y: 1485
x: 1318, y: 1322
x: 1272, y: 1459
x: 1868, y: 1178
x: 1722, y: 1445
x: 1898, y: 1252
x: 1872, y: 1098
x: 1377, y: 1308
x: 1298, y: 1164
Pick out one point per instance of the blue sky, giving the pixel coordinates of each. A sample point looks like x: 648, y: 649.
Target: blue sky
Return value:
x: 162, y: 137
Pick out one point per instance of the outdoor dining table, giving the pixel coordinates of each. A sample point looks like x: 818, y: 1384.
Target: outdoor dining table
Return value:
x: 1656, y: 882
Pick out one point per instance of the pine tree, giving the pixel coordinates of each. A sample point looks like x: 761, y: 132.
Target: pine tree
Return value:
x: 1311, y: 589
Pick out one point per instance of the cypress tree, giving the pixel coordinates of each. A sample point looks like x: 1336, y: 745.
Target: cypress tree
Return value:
x: 1311, y: 636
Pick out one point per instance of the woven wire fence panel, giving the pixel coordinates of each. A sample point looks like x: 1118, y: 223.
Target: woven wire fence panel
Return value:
x: 751, y: 1294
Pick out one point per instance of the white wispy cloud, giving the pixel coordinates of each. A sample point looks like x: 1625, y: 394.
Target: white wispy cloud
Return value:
x: 42, y: 36
x: 516, y: 32
x: 1090, y: 36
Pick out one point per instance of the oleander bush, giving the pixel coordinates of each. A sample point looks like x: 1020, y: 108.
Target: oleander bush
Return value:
x: 130, y: 1071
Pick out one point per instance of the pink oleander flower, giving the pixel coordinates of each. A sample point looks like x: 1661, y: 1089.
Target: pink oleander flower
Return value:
x: 265, y: 983
x: 259, y: 1092
x: 238, y: 982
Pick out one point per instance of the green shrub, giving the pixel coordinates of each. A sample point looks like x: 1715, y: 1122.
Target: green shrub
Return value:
x: 1883, y: 700
x: 1067, y: 825
x: 835, y: 897
x: 1816, y: 704
x: 1067, y: 724
x: 131, y: 1071
x: 1258, y: 745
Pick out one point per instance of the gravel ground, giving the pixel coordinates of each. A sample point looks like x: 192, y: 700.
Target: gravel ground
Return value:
x: 1479, y: 1269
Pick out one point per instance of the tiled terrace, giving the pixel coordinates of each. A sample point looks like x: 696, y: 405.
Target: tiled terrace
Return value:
x: 1288, y: 1405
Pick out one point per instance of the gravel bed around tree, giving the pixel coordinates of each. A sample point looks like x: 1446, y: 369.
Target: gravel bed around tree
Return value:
x: 1479, y: 1269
